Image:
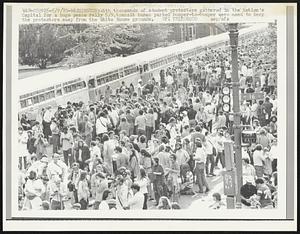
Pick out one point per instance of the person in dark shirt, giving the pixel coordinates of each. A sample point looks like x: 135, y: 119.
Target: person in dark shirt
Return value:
x: 250, y: 89
x: 191, y: 113
x: 268, y: 107
x: 247, y: 191
x: 158, y: 179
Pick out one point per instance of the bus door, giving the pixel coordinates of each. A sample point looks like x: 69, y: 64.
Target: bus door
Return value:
x: 91, y: 89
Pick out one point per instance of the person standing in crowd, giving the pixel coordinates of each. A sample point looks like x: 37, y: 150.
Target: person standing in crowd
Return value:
x: 220, y: 148
x: 57, y: 167
x: 200, y: 160
x: 133, y: 163
x: 140, y: 123
x: 47, y: 122
x: 101, y: 184
x: 22, y: 146
x: 144, y: 183
x: 82, y: 154
x: 83, y: 191
x: 55, y: 133
x: 57, y: 193
x: 150, y: 123
x: 258, y: 160
x: 172, y: 175
x: 33, y: 190
x: 66, y: 141
x: 211, y: 153
x: 101, y: 124
x: 158, y: 179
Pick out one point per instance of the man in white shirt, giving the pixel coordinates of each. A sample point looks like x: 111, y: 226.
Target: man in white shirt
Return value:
x: 137, y: 201
x: 169, y: 81
x: 209, y: 109
x: 101, y: 124
x: 220, y: 148
x: 57, y: 167
x: 48, y: 115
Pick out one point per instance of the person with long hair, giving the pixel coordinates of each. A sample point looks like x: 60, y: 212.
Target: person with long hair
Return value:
x: 106, y: 197
x: 83, y: 191
x: 164, y: 203
x: 144, y: 183
x: 173, y: 173
x: 134, y: 163
x: 258, y: 160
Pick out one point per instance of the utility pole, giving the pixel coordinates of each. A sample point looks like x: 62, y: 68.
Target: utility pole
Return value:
x: 233, y: 35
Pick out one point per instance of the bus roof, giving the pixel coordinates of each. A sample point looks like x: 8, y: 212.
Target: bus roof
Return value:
x: 150, y: 55
x: 48, y: 79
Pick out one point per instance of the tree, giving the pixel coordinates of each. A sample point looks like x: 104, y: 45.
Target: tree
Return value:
x: 40, y: 45
x: 153, y: 35
x: 90, y: 44
x: 125, y: 40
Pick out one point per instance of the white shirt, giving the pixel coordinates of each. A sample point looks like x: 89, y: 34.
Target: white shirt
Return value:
x: 209, y: 110
x: 274, y: 151
x: 169, y: 80
x: 143, y: 185
x: 22, y: 145
x: 258, y: 158
x: 228, y: 74
x: 137, y: 201
x: 200, y: 155
x: 95, y: 152
x: 101, y: 125
x: 103, y: 206
x: 47, y: 116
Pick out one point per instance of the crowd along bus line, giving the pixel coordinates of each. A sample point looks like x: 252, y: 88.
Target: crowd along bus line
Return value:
x: 87, y: 83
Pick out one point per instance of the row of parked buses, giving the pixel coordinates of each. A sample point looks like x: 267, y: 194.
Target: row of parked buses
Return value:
x: 87, y: 83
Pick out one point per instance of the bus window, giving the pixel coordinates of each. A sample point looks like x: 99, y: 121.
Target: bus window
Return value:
x: 23, y: 103
x: 121, y: 74
x: 83, y: 84
x: 47, y: 96
x: 58, y: 92
x: 52, y: 94
x: 146, y: 67
x: 42, y: 97
x: 92, y: 83
x: 35, y: 99
x: 67, y: 89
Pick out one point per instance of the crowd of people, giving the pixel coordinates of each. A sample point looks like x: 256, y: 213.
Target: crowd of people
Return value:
x: 155, y: 141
